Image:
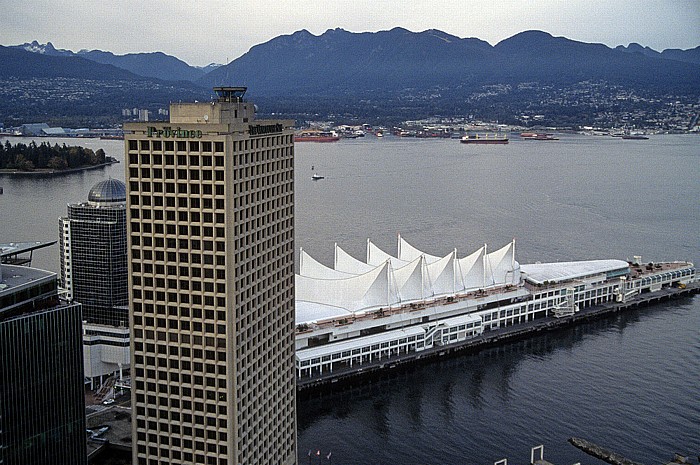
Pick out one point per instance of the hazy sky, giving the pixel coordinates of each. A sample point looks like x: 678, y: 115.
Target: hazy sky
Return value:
x: 204, y: 31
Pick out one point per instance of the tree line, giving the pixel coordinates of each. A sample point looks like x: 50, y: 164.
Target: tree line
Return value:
x: 28, y: 157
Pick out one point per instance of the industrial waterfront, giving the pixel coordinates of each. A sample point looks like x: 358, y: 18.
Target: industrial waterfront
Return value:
x: 625, y: 381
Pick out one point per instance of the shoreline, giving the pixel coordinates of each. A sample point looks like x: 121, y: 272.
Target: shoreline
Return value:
x: 50, y: 172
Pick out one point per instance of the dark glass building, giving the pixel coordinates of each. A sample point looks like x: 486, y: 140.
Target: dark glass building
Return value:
x: 93, y: 254
x: 42, y: 403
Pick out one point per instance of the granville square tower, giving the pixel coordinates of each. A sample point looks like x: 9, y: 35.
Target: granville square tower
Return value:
x: 210, y: 205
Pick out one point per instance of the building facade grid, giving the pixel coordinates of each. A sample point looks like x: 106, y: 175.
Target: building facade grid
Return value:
x: 211, y: 231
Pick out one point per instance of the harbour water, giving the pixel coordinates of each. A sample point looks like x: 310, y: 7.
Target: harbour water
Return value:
x: 628, y: 382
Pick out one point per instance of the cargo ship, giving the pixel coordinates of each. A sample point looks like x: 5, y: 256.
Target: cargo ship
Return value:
x: 360, y: 317
x: 537, y: 136
x: 316, y: 136
x: 484, y: 139
x: 634, y: 137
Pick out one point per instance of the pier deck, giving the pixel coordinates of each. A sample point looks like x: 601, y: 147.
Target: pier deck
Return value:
x: 497, y: 336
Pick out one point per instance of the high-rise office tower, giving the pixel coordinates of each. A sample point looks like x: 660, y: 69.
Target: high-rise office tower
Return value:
x: 93, y: 254
x: 42, y: 402
x: 92, y: 238
x: 211, y: 276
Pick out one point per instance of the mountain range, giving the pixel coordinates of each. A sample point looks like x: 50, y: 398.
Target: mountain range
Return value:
x: 301, y: 70
x: 364, y: 55
x: 154, y: 64
x: 343, y: 62
x: 691, y: 55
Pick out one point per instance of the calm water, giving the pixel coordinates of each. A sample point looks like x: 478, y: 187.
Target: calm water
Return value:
x: 629, y: 382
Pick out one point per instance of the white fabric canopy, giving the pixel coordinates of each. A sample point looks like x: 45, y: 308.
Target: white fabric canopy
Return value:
x: 355, y: 293
x: 308, y: 266
x: 310, y: 312
x: 348, y: 264
x: 471, y: 269
x: 411, y: 281
x: 376, y: 256
x: 501, y: 267
x: 387, y: 280
x: 408, y: 253
x: 442, y: 275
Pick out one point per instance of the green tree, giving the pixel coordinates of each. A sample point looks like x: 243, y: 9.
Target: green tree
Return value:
x: 57, y: 163
x: 22, y: 164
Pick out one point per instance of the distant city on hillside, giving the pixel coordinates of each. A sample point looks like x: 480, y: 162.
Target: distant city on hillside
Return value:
x: 384, y: 77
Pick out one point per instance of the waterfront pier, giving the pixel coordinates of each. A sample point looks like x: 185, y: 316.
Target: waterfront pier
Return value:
x: 496, y: 336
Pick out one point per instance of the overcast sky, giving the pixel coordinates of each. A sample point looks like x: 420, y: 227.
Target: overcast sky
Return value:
x: 205, y: 31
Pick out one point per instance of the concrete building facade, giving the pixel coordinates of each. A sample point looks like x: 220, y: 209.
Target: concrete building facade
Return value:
x: 211, y: 279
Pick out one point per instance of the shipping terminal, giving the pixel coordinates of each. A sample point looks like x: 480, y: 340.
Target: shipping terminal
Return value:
x: 361, y: 317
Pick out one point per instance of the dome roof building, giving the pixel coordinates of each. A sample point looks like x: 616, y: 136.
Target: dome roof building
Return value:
x: 94, y: 272
x: 107, y: 192
x: 94, y: 253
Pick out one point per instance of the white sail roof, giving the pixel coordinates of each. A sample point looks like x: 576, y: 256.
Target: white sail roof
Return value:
x: 353, y: 294
x: 311, y: 312
x: 387, y: 280
x: 376, y: 256
x: 501, y: 267
x: 348, y: 264
x: 442, y: 275
x: 411, y: 281
x: 471, y: 270
x: 408, y: 253
x: 308, y: 266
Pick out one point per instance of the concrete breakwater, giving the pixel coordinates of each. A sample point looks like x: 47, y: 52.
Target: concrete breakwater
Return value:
x: 601, y: 453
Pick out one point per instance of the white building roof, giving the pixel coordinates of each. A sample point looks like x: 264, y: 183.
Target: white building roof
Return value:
x: 538, y: 273
x: 54, y: 131
x: 353, y: 286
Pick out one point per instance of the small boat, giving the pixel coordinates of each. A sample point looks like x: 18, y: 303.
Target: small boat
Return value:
x: 484, y: 139
x: 316, y: 177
